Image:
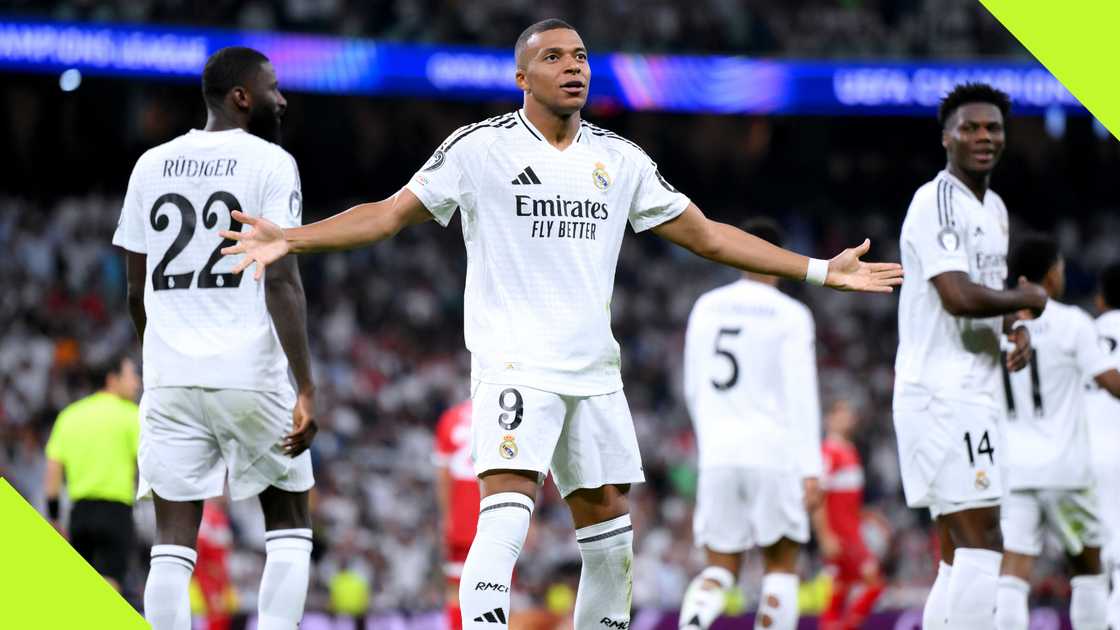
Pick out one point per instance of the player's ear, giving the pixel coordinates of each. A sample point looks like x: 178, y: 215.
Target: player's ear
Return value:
x: 241, y: 98
x: 521, y: 80
x: 945, y: 139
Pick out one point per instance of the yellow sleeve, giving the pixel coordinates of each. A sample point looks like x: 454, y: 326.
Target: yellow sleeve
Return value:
x: 56, y: 444
x: 134, y: 429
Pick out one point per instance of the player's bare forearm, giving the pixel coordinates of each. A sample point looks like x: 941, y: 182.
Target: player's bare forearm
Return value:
x: 287, y: 306
x: 964, y: 298
x: 52, y: 482
x: 136, y: 270
x: 731, y: 246
x: 1110, y: 382
x: 362, y: 224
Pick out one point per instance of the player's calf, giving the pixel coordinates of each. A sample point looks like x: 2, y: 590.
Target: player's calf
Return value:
x: 503, y: 523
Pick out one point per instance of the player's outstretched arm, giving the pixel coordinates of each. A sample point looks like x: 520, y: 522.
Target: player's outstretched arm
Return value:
x: 1110, y: 382
x: 964, y: 298
x: 265, y: 242
x: 731, y: 246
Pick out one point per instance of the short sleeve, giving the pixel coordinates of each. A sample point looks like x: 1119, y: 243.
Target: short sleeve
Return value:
x: 283, y: 198
x: 1092, y: 357
x: 440, y: 182
x: 130, y: 226
x: 935, y: 235
x: 56, y: 444
x: 133, y: 429
x: 655, y: 201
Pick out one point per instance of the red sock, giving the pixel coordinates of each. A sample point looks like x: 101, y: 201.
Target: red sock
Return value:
x: 830, y: 618
x: 859, y: 611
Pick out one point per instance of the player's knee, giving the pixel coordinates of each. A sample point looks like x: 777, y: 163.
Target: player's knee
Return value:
x: 285, y: 510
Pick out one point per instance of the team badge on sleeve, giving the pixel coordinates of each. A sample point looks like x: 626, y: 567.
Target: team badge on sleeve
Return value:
x: 949, y: 240
x: 508, y: 448
x: 600, y: 176
x: 295, y: 203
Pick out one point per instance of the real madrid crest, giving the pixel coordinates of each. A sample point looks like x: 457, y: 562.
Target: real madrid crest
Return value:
x: 508, y: 448
x: 600, y: 177
x: 982, y: 481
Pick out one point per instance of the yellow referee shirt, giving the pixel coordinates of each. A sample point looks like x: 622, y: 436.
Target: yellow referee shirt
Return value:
x: 95, y: 439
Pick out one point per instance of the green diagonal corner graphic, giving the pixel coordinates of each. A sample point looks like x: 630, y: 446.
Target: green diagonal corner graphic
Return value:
x: 1077, y: 42
x: 45, y: 584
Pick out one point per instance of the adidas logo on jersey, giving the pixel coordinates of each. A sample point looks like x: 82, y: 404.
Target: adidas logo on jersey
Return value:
x: 526, y: 177
x: 494, y: 616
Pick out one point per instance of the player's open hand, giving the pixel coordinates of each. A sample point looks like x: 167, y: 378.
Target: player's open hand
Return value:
x: 1019, y: 356
x: 303, y: 423
x: 846, y: 272
x: 263, y: 243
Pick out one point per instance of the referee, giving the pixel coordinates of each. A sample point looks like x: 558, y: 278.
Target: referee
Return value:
x: 94, y: 442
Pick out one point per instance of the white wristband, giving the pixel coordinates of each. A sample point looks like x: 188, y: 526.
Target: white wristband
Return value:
x: 817, y: 272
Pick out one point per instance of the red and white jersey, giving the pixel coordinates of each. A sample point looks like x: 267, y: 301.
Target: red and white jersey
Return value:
x: 842, y: 484
x: 453, y: 451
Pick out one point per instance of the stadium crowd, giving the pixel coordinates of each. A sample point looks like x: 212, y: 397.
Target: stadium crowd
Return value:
x: 386, y: 322
x: 853, y: 28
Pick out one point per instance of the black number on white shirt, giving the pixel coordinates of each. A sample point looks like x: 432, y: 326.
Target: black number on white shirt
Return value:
x: 1036, y: 388
x: 517, y: 408
x: 161, y: 222
x: 207, y: 279
x: 983, y: 448
x: 734, y: 378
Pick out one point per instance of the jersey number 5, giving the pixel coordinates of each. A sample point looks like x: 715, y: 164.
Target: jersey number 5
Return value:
x: 207, y: 279
x: 727, y: 354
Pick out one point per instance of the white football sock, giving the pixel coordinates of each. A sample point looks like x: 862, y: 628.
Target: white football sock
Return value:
x: 1088, y: 605
x: 287, y: 568
x: 973, y: 586
x: 1012, y: 611
x: 705, y: 598
x: 935, y: 614
x: 167, y: 604
x: 1114, y: 601
x: 778, y: 607
x: 503, y: 522
x: 605, y: 581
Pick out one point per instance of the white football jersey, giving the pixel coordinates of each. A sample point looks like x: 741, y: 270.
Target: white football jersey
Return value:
x: 750, y: 380
x: 543, y: 228
x: 1046, y: 435
x: 207, y: 327
x: 1103, y: 413
x: 948, y: 229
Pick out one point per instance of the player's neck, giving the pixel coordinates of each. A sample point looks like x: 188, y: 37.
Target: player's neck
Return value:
x: 978, y: 184
x: 559, y: 131
x: 838, y: 437
x: 220, y: 121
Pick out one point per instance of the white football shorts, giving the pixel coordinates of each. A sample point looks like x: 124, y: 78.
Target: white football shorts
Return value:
x: 192, y: 439
x: 741, y: 508
x: 949, y: 454
x: 586, y: 441
x: 1071, y: 514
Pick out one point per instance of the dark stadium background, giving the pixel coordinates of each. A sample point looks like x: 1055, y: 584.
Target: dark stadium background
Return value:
x: 386, y: 322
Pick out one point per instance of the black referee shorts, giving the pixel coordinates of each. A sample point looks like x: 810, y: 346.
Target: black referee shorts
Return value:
x: 101, y: 532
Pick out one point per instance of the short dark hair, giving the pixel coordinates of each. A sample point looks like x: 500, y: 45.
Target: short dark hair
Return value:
x: 966, y: 93
x: 1033, y: 257
x: 227, y: 69
x: 766, y: 229
x: 540, y: 27
x: 1110, y: 285
x: 100, y: 371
